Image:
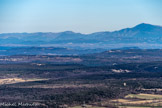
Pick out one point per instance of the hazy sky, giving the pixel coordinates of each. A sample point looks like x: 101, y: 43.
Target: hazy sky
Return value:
x: 85, y: 16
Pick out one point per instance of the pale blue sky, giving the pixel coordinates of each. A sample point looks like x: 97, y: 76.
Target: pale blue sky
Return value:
x: 85, y: 16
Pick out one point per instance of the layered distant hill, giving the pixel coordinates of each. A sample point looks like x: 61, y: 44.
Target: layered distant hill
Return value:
x: 8, y: 51
x: 142, y: 35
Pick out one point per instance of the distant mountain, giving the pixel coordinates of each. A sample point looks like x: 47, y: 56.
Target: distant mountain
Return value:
x: 142, y: 35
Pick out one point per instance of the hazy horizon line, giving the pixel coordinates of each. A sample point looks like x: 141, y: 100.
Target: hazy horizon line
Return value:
x: 81, y: 32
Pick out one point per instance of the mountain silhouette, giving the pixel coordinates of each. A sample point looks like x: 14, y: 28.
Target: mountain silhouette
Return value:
x: 142, y: 33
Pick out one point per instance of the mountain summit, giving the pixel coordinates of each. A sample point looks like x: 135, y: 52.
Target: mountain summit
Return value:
x: 146, y: 27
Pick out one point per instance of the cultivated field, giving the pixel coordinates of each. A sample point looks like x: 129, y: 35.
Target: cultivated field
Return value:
x: 139, y: 101
x: 17, y: 80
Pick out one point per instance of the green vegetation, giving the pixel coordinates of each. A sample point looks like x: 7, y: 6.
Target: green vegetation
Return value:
x: 106, y: 80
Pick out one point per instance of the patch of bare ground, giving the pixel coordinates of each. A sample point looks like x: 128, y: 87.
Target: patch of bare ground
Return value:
x: 17, y: 80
